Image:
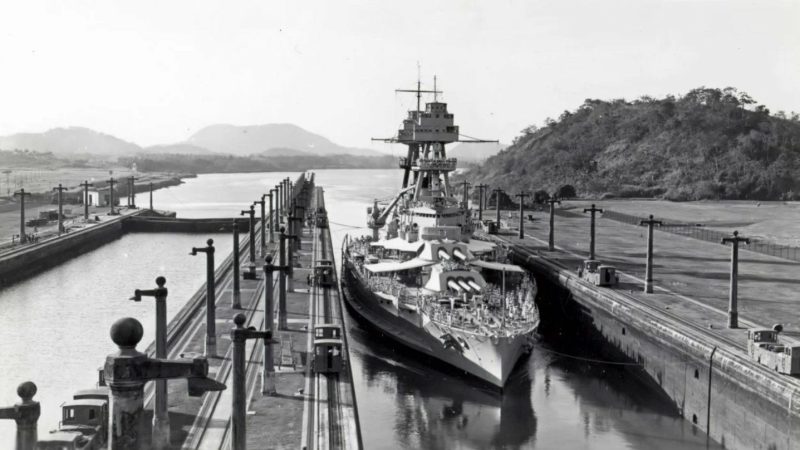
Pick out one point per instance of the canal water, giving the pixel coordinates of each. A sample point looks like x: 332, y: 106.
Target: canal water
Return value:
x: 55, y: 332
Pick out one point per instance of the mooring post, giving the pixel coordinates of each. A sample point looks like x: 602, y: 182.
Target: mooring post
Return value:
x: 648, y: 278
x: 268, y: 372
x: 551, y: 242
x: 522, y: 196
x: 60, y: 189
x: 126, y: 373
x: 481, y: 189
x: 236, y: 301
x: 23, y: 238
x: 85, y: 185
x: 239, y: 337
x: 111, y: 182
x: 26, y: 415
x: 211, y: 301
x: 160, y: 437
x: 592, y: 210
x: 271, y: 218
x: 151, y: 196
x: 733, y: 307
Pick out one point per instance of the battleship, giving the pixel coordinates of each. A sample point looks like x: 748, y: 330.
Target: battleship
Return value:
x: 423, y: 278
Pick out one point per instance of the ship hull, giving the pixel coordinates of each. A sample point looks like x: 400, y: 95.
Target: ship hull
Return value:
x: 489, y: 359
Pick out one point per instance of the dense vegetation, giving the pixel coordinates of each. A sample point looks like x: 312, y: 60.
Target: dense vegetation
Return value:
x: 708, y: 144
x: 254, y: 163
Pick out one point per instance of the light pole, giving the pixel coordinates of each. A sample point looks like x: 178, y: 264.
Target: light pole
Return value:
x: 23, y: 238
x: 60, y: 189
x: 592, y: 210
x: 85, y: 185
x: 551, y: 242
x: 521, y: 197
x: 648, y: 279
x: 160, y: 436
x: 211, y: 300
x: 733, y: 307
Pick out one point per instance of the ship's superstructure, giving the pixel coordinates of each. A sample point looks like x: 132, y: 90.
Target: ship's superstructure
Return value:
x: 422, y: 279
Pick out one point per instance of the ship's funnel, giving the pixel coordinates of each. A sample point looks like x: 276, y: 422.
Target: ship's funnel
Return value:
x: 464, y: 285
x: 443, y: 254
x: 459, y: 254
x: 474, y: 285
x: 451, y: 283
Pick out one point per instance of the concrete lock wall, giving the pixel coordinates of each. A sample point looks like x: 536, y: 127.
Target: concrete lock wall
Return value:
x: 741, y: 405
x: 29, y: 261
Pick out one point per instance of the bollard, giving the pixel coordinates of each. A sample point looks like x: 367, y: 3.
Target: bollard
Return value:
x: 26, y: 415
x: 522, y: 196
x: 60, y: 189
x: 268, y: 373
x: 551, y: 241
x: 239, y: 336
x: 160, y: 436
x: 211, y: 301
x: 236, y: 301
x: 271, y: 218
x: 251, y: 266
x: 85, y: 185
x: 23, y: 238
x: 126, y: 373
x: 648, y: 279
x: 733, y: 307
x: 592, y: 210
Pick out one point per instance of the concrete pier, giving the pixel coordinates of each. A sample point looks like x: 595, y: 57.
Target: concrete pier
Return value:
x: 679, y: 334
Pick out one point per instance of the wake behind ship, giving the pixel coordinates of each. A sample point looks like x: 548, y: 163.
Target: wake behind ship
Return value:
x: 423, y: 279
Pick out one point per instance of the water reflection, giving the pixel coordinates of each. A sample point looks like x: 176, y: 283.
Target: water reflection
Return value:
x: 436, y: 409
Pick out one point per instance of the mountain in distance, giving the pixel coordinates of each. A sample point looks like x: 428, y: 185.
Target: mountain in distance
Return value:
x: 706, y: 144
x: 465, y: 151
x: 70, y: 141
x: 180, y: 148
x: 256, y: 139
x: 283, y: 151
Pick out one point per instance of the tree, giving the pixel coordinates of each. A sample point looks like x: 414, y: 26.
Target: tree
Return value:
x: 566, y: 191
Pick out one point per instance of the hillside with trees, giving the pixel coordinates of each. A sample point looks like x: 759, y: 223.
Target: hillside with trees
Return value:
x: 707, y: 144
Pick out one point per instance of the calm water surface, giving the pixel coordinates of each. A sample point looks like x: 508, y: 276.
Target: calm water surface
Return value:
x: 55, y: 332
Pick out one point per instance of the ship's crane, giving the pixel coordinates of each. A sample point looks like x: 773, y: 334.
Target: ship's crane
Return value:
x: 378, y: 218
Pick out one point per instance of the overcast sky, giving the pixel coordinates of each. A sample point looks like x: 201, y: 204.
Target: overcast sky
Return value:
x: 156, y: 71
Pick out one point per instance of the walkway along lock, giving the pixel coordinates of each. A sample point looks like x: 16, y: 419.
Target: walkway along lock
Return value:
x: 160, y: 416
x: 26, y: 415
x: 268, y: 374
x: 251, y: 266
x: 648, y: 279
x: 592, y: 210
x: 236, y: 300
x: 126, y: 373
x: 551, y: 241
x: 239, y: 336
x: 733, y: 308
x: 211, y: 329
